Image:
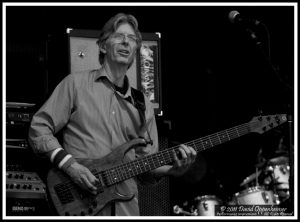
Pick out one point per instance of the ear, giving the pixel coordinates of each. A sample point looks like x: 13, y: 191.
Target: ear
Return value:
x: 102, y: 48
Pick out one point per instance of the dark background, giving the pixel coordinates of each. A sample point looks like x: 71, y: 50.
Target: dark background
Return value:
x: 213, y: 74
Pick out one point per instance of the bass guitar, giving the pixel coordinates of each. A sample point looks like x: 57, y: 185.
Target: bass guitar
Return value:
x: 116, y: 174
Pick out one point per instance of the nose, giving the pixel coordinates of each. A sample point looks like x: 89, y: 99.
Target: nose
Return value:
x: 125, y: 39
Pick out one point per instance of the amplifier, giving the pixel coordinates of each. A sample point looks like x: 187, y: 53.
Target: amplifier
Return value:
x: 18, y: 116
x: 25, y: 193
x: 17, y: 143
x: 23, y: 176
x: 24, y: 185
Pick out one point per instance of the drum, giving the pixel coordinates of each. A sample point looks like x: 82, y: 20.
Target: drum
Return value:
x: 280, y: 175
x: 206, y: 205
x: 256, y: 196
x: 277, y: 175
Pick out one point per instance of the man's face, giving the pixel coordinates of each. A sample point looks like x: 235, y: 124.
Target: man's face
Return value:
x: 121, y: 46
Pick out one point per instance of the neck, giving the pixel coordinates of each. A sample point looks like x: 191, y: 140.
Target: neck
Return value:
x: 116, y: 73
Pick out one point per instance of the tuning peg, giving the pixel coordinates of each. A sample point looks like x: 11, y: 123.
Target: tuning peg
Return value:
x: 260, y: 112
x: 277, y: 119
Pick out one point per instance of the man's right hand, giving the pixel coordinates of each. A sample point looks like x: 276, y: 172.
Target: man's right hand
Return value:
x: 83, y: 177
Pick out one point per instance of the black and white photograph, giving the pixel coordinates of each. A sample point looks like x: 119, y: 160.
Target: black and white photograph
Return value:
x: 149, y: 111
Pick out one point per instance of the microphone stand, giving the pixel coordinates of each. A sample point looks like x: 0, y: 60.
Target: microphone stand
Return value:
x: 289, y: 107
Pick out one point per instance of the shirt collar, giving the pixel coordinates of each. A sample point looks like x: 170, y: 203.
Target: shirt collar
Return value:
x: 101, y: 75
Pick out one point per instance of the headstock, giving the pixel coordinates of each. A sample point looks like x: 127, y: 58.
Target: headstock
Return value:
x: 262, y: 124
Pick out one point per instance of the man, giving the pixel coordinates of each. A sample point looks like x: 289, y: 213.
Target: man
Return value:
x: 98, y: 113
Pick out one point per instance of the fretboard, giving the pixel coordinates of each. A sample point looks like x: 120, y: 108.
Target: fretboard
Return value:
x: 130, y: 169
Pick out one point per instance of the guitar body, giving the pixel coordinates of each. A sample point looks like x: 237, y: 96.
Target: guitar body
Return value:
x: 70, y: 200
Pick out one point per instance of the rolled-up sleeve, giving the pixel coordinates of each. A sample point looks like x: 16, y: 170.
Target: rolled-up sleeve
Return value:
x: 52, y: 117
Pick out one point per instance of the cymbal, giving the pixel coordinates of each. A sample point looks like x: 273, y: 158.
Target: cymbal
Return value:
x: 278, y: 160
x: 250, y: 178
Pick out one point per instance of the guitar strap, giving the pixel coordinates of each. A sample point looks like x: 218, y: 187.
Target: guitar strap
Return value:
x: 139, y: 104
x: 138, y: 101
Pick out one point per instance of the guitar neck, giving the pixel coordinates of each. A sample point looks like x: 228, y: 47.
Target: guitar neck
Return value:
x: 219, y: 137
x: 130, y: 169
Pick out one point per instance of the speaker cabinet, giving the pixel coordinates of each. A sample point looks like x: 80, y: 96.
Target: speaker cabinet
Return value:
x: 154, y: 200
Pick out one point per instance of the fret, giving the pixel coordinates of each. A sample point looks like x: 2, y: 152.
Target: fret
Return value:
x: 227, y: 135
x: 199, y: 145
x: 142, y: 166
x: 169, y: 155
x: 161, y: 159
x: 206, y: 143
x: 214, y: 140
x: 114, y: 175
x: 156, y: 161
x: 210, y: 141
x: 219, y: 138
x: 121, y: 172
x: 194, y: 145
x: 151, y: 161
x: 146, y: 164
x: 138, y: 166
x: 109, y: 177
x: 237, y: 131
x: 103, y: 177
x: 125, y: 172
x: 233, y: 134
x: 223, y: 136
x: 131, y: 169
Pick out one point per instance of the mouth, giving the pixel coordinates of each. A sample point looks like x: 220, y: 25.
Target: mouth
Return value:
x: 123, y: 52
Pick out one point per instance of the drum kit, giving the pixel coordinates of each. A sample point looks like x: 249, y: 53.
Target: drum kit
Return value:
x: 269, y: 185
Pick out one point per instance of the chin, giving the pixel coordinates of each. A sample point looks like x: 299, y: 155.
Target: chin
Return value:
x: 124, y: 61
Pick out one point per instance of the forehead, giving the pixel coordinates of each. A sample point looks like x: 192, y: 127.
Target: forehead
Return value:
x: 125, y: 28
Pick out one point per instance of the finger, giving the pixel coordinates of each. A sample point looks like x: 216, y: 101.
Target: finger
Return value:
x: 192, y: 153
x: 91, y: 177
x: 186, y: 154
x: 176, y: 160
x: 88, y: 184
x: 183, y: 160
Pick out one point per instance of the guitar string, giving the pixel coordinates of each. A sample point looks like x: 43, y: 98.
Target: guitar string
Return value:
x: 167, y: 151
x: 212, y: 140
x: 246, y: 126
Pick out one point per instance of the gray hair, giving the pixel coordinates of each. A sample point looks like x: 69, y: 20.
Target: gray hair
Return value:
x: 111, y: 26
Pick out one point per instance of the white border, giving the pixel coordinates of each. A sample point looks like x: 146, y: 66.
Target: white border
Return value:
x: 4, y: 5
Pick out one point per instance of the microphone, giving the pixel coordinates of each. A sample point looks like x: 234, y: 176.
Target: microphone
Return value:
x: 235, y: 17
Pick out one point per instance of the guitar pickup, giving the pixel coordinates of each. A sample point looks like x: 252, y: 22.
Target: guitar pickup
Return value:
x: 63, y: 193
